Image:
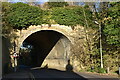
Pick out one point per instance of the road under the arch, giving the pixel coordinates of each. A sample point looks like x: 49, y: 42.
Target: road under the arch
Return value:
x: 46, y: 42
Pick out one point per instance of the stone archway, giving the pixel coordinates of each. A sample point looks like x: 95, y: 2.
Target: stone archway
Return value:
x: 65, y: 30
x: 61, y: 30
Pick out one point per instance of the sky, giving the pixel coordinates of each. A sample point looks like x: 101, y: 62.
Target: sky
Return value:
x: 28, y: 0
x: 24, y: 1
x: 42, y: 1
x: 60, y: 0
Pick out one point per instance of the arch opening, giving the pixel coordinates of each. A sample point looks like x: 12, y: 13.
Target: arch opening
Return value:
x: 45, y: 47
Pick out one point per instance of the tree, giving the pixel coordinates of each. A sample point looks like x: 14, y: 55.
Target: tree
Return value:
x: 6, y: 29
x: 70, y: 16
x: 105, y: 15
x: 111, y: 32
x: 21, y: 16
x: 112, y: 29
x: 99, y: 14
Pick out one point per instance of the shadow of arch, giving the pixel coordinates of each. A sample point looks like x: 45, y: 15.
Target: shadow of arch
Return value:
x: 45, y: 74
x: 42, y: 41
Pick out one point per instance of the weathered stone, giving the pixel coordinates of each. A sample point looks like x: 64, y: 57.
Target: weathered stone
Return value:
x: 61, y: 52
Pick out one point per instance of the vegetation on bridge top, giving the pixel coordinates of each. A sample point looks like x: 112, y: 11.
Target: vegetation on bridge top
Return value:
x: 21, y: 16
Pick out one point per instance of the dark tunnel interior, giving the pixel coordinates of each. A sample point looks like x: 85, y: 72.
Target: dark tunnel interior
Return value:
x: 42, y: 42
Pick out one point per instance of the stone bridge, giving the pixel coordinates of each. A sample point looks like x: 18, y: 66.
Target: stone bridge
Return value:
x: 52, y: 44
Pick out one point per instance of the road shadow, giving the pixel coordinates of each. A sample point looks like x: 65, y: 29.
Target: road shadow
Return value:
x: 44, y: 74
x: 50, y: 73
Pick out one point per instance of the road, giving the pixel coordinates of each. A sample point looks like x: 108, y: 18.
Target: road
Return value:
x: 54, y: 74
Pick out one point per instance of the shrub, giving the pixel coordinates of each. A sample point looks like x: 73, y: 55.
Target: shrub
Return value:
x: 101, y: 70
x: 21, y: 16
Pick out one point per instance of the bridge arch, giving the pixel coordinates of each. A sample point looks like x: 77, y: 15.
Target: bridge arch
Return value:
x: 65, y: 30
x: 58, y: 30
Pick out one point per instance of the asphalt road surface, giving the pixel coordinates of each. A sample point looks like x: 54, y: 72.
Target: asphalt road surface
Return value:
x: 53, y: 74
